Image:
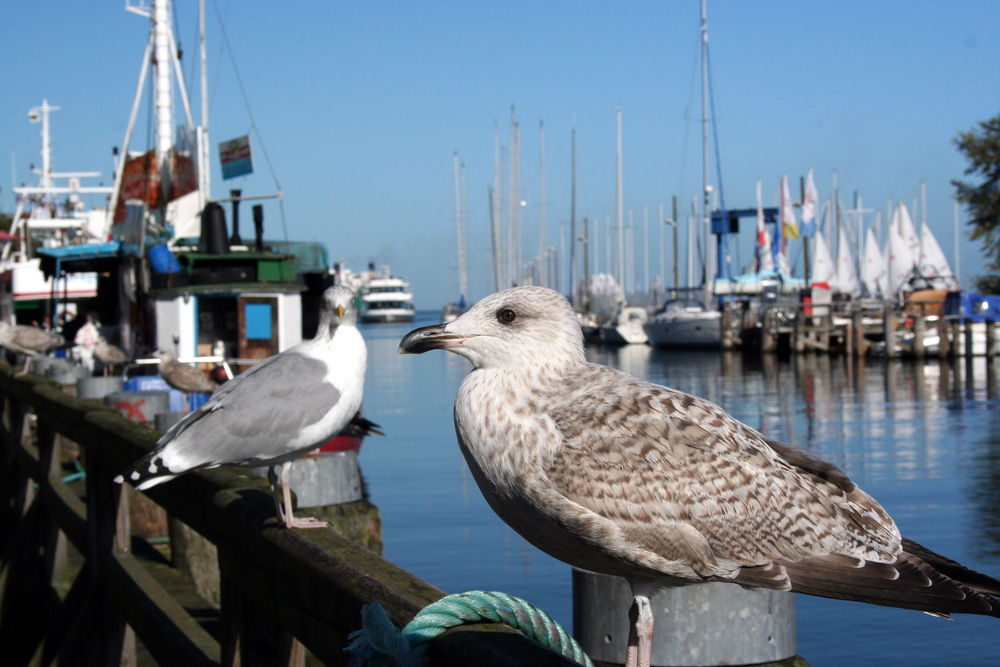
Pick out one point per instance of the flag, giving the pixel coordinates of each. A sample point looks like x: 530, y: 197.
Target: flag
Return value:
x: 790, y: 226
x: 811, y: 196
x: 763, y: 250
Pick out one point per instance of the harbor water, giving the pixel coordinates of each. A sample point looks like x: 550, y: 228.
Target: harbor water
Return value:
x: 923, y: 439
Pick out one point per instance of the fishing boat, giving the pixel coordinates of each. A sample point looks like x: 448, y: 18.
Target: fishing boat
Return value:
x: 175, y: 275
x: 385, y: 297
x: 50, y: 215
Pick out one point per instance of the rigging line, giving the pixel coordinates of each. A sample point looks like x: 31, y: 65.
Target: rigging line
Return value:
x: 715, y: 129
x: 253, y: 122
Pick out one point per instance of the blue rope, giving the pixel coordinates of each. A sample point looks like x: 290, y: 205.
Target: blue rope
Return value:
x: 379, y: 644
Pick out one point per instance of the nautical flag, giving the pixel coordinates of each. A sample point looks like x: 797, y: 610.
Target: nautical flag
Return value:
x: 763, y: 250
x: 788, y: 222
x: 811, y: 196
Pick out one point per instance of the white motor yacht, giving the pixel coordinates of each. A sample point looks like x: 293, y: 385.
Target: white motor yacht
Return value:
x: 685, y: 323
x: 626, y: 328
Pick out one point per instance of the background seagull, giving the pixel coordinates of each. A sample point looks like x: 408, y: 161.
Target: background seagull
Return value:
x: 28, y: 340
x: 617, y: 475
x: 184, y: 377
x: 109, y: 355
x: 271, y: 413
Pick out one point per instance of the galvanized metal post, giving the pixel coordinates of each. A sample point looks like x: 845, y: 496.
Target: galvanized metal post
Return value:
x: 707, y: 624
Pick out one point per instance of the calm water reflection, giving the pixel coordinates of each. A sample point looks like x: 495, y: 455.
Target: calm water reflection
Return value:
x: 922, y: 439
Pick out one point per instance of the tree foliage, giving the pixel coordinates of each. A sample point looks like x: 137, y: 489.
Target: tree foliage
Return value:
x: 5, y: 221
x: 981, y: 147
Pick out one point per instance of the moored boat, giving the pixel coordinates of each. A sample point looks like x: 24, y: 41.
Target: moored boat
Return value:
x: 626, y: 328
x: 385, y: 297
x: 685, y: 323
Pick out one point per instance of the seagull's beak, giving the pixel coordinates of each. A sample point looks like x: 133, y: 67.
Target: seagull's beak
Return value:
x: 429, y: 338
x: 340, y: 310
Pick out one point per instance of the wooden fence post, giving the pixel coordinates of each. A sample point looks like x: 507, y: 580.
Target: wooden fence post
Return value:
x: 944, y: 340
x: 919, y: 334
x: 889, y: 327
x: 858, y: 324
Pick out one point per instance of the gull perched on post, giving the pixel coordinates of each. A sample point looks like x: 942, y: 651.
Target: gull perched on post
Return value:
x: 28, y: 340
x: 268, y: 415
x: 616, y: 475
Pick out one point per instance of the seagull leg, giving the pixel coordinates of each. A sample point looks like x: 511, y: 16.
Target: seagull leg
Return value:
x: 292, y: 521
x: 272, y: 477
x: 640, y: 634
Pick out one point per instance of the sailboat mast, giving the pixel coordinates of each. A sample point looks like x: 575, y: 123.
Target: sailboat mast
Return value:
x: 706, y: 186
x: 619, y: 232
x: 572, y: 223
x: 541, y: 192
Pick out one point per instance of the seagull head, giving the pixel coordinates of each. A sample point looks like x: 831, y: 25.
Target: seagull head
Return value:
x: 161, y: 354
x: 515, y: 328
x: 337, y: 308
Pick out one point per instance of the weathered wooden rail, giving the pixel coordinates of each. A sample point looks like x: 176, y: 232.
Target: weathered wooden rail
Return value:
x: 283, y: 592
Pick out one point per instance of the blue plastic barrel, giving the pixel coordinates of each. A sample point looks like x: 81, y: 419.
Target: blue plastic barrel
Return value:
x: 161, y: 260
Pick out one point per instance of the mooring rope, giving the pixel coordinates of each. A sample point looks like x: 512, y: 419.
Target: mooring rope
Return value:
x: 379, y: 644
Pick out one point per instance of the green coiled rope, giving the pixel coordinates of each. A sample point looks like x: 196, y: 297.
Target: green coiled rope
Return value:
x: 382, y: 646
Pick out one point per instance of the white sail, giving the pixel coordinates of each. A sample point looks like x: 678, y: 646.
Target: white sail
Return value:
x: 903, y: 223
x: 899, y: 260
x: 847, y: 271
x: 823, y: 269
x: 933, y: 265
x: 873, y: 272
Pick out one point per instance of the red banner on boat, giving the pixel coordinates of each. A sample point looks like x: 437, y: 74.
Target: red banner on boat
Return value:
x: 140, y: 180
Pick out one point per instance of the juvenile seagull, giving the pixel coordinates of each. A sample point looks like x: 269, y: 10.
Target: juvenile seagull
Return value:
x: 183, y: 377
x: 616, y: 475
x: 271, y: 413
x: 109, y: 355
x: 28, y: 341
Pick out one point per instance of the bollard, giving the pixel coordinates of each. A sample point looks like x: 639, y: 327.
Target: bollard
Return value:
x: 164, y: 421
x: 970, y: 348
x: 325, y: 478
x: 704, y: 625
x: 139, y: 406
x: 98, y: 387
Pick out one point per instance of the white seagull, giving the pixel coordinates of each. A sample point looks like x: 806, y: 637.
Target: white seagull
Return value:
x: 613, y: 474
x: 271, y: 413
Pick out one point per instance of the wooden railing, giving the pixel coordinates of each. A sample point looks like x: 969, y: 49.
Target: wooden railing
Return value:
x: 283, y: 593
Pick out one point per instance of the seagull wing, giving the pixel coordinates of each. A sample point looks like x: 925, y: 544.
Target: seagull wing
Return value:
x: 261, y: 415
x: 682, y: 479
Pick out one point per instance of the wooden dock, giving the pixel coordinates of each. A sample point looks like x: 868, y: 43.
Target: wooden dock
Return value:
x: 77, y: 585
x: 856, y: 329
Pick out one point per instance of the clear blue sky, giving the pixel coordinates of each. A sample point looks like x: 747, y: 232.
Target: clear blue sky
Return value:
x: 361, y: 106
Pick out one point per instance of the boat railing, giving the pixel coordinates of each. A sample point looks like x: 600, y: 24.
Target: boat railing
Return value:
x: 76, y: 569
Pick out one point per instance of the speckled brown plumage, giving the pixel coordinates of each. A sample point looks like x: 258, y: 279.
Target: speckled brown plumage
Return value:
x: 617, y: 475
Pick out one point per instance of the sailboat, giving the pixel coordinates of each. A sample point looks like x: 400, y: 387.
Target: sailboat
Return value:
x: 687, y: 323
x: 874, y: 273
x: 847, y: 272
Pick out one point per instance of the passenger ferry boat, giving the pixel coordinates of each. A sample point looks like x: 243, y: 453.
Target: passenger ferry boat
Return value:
x: 385, y: 297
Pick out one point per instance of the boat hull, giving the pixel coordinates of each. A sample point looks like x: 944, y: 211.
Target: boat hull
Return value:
x: 694, y: 332
x: 384, y: 315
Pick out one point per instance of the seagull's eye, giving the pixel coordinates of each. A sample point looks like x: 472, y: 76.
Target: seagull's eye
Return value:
x: 506, y: 316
